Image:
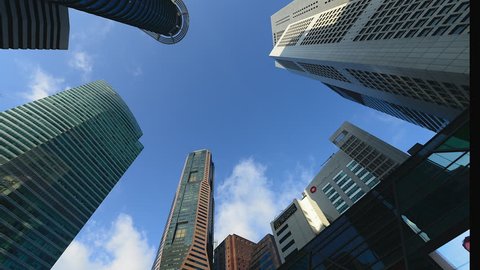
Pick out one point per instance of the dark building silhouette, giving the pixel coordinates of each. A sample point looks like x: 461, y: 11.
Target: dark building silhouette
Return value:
x: 44, y: 24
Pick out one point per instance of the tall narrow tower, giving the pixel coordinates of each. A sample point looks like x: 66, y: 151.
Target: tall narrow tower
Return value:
x: 187, y: 242
x: 60, y: 156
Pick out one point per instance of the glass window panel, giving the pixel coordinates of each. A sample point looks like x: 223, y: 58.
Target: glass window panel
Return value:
x: 444, y: 159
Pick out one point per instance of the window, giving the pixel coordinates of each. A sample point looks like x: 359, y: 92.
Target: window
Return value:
x: 192, y: 177
x: 288, y: 245
x: 180, y: 231
x: 340, y: 137
x: 285, y: 237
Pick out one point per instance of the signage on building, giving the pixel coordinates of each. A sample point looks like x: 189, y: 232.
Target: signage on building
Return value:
x: 286, y: 214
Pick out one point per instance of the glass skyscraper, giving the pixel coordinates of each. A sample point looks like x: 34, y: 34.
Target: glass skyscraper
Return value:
x: 187, y: 241
x: 60, y: 156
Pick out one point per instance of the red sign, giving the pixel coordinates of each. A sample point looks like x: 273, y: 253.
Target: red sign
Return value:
x: 466, y: 243
x: 313, y: 189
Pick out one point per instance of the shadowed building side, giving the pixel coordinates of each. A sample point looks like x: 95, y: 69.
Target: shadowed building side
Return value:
x: 33, y: 24
x: 165, y: 20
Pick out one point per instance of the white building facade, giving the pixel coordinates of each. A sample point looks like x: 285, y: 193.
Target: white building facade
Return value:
x: 299, y: 223
x: 409, y: 59
x: 360, y: 164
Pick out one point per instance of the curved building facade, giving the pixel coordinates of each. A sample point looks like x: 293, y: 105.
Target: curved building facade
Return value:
x: 33, y: 24
x: 44, y: 24
x: 187, y: 242
x: 60, y: 156
x: 166, y: 19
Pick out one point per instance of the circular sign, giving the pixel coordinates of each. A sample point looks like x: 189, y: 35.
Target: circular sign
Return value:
x: 313, y: 189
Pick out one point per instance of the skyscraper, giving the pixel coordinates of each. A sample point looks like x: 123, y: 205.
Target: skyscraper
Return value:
x: 361, y: 163
x: 187, y: 240
x: 44, y: 24
x: 234, y: 253
x: 409, y: 59
x: 60, y: 156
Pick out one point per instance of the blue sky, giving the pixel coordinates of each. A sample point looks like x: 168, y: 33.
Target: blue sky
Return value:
x: 267, y: 128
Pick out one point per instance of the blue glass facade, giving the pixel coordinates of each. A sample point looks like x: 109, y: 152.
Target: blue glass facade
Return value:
x: 60, y: 156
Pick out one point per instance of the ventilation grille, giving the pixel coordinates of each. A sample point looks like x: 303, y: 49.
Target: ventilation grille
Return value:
x: 305, y: 9
x: 294, y: 32
x: 282, y: 20
x: 419, y: 18
x: 441, y: 93
x: 324, y: 71
x: 277, y: 36
x: 331, y: 26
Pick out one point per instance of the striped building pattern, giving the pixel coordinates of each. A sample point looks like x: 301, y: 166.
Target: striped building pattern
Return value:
x: 44, y: 24
x: 187, y: 241
x: 60, y: 156
x: 165, y: 20
x: 406, y: 58
x: 33, y: 24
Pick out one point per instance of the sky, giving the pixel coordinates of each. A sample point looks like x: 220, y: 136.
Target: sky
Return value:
x: 218, y: 89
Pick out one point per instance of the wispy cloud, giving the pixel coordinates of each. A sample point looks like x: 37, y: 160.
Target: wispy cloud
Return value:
x: 295, y: 182
x: 98, y: 31
x: 42, y: 84
x: 105, y: 28
x: 247, y: 203
x: 120, y: 247
x: 397, y: 126
x: 137, y: 71
x: 83, y: 62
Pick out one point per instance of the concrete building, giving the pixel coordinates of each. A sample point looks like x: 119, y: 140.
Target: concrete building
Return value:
x: 362, y: 162
x: 409, y: 59
x: 234, y: 253
x: 60, y: 156
x: 299, y: 223
x: 187, y: 240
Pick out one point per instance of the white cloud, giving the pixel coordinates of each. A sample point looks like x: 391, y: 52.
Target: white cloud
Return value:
x: 105, y: 28
x: 395, y: 125
x: 42, y: 85
x: 295, y: 183
x: 247, y: 202
x: 82, y: 61
x: 120, y: 247
x: 137, y: 72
